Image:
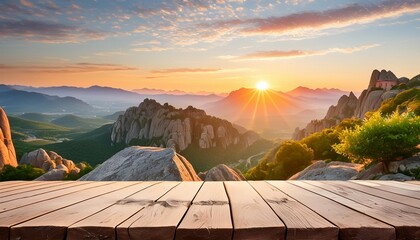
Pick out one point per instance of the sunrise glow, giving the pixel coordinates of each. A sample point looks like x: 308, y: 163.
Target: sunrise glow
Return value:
x: 262, y: 85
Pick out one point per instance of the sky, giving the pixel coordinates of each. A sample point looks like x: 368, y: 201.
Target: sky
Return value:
x: 212, y: 46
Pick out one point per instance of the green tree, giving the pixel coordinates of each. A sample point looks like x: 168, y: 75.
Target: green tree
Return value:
x: 381, y: 138
x: 21, y: 172
x: 290, y: 158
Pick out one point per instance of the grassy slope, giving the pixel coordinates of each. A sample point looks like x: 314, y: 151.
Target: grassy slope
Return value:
x: 93, y: 147
x: 73, y: 121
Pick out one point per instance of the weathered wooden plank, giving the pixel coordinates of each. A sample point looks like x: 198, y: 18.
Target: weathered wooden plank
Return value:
x: 414, y: 182
x: 301, y: 222
x: 19, y: 186
x: 159, y: 219
x: 252, y: 217
x: 402, y: 185
x: 29, y: 189
x: 10, y: 184
x: 352, y: 225
x: 208, y: 218
x: 392, y: 188
x: 22, y: 214
x: 378, y: 192
x: 404, y: 218
x: 21, y: 202
x: 46, y: 189
x: 54, y: 225
x: 102, y: 224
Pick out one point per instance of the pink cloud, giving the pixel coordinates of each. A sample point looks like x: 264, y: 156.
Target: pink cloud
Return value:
x: 333, y: 18
x: 269, y: 55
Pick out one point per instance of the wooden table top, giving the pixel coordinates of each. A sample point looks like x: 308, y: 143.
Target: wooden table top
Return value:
x: 322, y: 210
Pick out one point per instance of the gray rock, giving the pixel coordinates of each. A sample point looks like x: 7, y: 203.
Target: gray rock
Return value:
x: 166, y: 126
x: 144, y: 164
x: 221, y: 173
x: 53, y: 175
x: 371, y: 173
x: 321, y: 170
x: 396, y: 177
x: 7, y: 149
x: 408, y: 164
x: 35, y: 158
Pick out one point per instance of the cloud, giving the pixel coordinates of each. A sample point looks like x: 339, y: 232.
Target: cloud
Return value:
x: 26, y: 3
x: 107, y: 54
x: 332, y: 18
x: 186, y: 70
x: 150, y: 49
x: 50, y: 32
x: 275, y: 54
x: 67, y: 68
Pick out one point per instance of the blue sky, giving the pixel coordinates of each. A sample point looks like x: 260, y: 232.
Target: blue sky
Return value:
x: 215, y: 46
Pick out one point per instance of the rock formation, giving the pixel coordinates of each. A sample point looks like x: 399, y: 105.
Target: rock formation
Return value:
x: 320, y: 170
x: 52, y: 163
x: 144, y: 164
x: 345, y: 108
x: 153, y: 124
x: 349, y: 106
x: 221, y: 173
x: 7, y: 150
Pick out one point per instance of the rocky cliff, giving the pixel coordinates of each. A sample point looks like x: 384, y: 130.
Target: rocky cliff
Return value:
x: 350, y: 106
x: 7, y: 150
x: 144, y: 164
x: 153, y: 124
x: 345, y: 108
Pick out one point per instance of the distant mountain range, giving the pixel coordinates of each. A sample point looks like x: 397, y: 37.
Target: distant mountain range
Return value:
x: 274, y: 111
x: 16, y: 101
x: 107, y: 99
x: 259, y: 110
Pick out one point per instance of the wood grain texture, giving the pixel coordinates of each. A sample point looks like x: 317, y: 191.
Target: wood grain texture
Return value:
x: 352, y: 225
x: 160, y: 219
x: 209, y: 215
x: 22, y: 214
x: 301, y: 222
x: 56, y: 223
x: 404, y: 218
x: 252, y: 217
x: 29, y: 188
x: 102, y: 225
x: 413, y: 182
x: 39, y: 191
x: 413, y: 202
x: 410, y: 191
x: 21, y: 202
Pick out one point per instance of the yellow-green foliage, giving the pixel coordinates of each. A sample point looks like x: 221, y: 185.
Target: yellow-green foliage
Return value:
x: 290, y: 158
x: 21, y: 172
x: 406, y: 101
x: 381, y: 138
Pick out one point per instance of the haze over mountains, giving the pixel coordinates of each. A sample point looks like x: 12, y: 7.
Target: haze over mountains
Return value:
x: 269, y: 111
x: 109, y: 100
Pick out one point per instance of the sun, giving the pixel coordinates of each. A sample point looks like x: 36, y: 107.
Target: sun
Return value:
x: 262, y: 85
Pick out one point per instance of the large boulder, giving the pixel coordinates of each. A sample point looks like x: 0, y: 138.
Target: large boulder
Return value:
x: 52, y: 175
x: 221, y: 173
x: 50, y: 162
x: 144, y: 164
x: 35, y: 158
x: 7, y: 150
x: 321, y: 170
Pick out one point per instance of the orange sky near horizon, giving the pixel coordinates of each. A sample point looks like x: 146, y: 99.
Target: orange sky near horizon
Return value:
x: 211, y: 46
